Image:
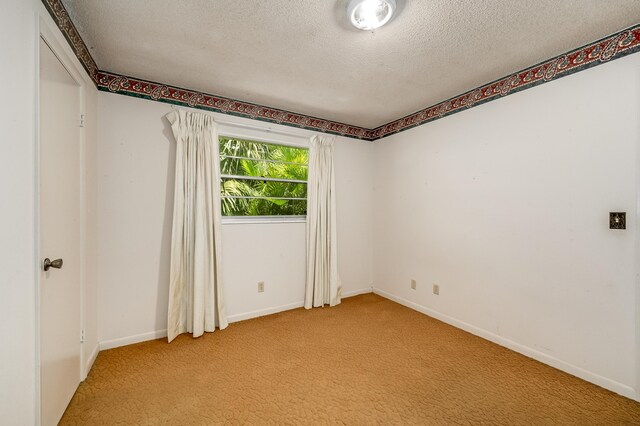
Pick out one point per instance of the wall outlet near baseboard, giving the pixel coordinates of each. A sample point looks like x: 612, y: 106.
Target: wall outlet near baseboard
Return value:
x: 260, y: 286
x: 436, y: 289
x: 413, y: 284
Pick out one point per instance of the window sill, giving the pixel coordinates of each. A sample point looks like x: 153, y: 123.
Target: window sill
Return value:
x: 248, y: 220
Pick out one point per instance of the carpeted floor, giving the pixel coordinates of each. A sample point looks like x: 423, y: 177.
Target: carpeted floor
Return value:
x: 367, y: 361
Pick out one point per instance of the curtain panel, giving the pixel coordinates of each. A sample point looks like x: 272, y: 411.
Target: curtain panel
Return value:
x: 323, y: 282
x: 196, y: 302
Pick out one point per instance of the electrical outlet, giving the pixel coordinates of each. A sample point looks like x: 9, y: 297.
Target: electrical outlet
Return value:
x: 261, y: 287
x: 413, y: 284
x: 436, y: 289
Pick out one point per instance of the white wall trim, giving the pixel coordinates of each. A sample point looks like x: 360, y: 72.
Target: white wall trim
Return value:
x: 158, y: 334
x: 36, y: 217
x: 352, y: 293
x: 636, y: 236
x: 130, y: 340
x: 91, y: 360
x: 604, y: 382
x: 263, y: 312
x: 282, y: 308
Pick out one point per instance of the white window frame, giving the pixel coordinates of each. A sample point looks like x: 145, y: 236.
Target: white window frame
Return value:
x: 264, y: 135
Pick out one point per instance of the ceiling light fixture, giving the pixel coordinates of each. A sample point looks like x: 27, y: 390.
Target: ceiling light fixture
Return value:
x: 370, y: 14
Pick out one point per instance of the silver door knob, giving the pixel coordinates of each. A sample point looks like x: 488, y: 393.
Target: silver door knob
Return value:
x: 48, y: 263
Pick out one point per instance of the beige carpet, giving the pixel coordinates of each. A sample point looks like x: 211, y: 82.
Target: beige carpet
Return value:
x: 367, y: 361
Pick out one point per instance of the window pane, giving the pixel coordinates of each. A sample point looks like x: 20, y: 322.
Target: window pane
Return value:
x: 257, y: 197
x: 262, y: 207
x: 261, y: 150
x: 257, y: 188
x: 242, y: 167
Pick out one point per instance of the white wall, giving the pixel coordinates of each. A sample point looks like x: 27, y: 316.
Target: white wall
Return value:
x: 17, y: 304
x: 18, y: 261
x: 505, y: 206
x: 135, y: 204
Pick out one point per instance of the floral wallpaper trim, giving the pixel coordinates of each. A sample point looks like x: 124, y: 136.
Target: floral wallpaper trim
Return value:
x: 161, y: 92
x: 615, y: 46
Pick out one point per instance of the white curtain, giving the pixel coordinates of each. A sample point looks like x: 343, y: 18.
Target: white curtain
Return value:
x: 323, y: 283
x: 196, y: 301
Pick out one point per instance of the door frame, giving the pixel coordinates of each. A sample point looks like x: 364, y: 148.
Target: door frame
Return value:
x: 49, y: 34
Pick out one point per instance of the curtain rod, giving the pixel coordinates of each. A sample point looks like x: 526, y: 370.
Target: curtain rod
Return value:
x: 303, y: 133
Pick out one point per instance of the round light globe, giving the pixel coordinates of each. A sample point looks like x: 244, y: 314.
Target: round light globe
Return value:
x: 370, y: 14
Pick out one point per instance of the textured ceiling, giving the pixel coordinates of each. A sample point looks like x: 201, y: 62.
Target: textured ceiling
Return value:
x: 302, y: 55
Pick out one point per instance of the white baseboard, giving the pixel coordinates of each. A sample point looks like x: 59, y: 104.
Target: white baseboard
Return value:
x: 123, y: 341
x: 282, y: 308
x: 152, y: 335
x: 263, y: 312
x: 91, y: 360
x: 357, y: 292
x: 604, y: 382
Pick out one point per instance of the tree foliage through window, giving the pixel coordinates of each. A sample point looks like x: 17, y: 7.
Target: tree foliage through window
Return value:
x: 262, y: 179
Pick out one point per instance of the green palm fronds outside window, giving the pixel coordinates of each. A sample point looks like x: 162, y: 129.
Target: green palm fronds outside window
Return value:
x: 262, y: 179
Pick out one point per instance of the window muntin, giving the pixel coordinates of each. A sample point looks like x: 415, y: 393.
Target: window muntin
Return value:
x: 262, y: 179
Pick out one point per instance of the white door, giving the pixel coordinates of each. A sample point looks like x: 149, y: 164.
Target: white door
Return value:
x: 60, y: 318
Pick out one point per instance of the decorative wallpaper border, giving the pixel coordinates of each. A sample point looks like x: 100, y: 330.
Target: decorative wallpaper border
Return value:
x: 615, y: 46
x: 116, y: 83
x: 606, y: 49
x: 63, y: 21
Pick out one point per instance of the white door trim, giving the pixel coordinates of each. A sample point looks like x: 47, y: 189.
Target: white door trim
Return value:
x: 636, y: 229
x: 58, y: 45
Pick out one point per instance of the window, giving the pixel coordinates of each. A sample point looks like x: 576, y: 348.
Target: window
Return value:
x: 262, y: 179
